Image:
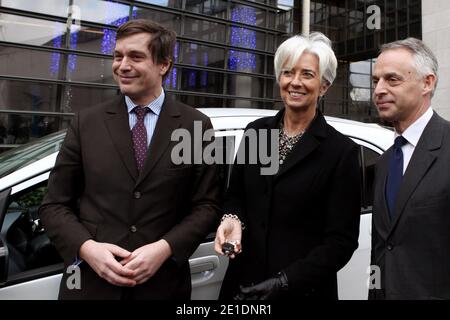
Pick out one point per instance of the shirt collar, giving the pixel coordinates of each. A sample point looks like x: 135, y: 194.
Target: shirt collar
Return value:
x: 155, y: 106
x: 413, y: 132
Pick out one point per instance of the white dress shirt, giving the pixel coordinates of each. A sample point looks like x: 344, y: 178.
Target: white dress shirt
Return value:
x: 412, y: 135
x: 150, y: 118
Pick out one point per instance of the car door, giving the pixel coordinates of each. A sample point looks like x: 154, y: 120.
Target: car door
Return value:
x: 33, y: 267
x: 207, y: 267
x: 353, y: 277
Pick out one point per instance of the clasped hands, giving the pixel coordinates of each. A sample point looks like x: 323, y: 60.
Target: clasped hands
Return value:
x: 121, y: 267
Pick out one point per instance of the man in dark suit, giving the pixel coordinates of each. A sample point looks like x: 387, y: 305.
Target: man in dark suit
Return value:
x: 116, y: 200
x: 411, y: 221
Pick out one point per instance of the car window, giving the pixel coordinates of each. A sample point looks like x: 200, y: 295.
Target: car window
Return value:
x: 225, y: 147
x: 29, y: 247
x: 369, y: 159
x: 22, y: 156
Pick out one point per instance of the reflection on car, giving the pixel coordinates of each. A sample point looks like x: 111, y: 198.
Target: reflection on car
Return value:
x: 30, y: 267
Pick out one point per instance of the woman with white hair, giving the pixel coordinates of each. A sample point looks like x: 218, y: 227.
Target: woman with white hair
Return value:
x: 291, y: 232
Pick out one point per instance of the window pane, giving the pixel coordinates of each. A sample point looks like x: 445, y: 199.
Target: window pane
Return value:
x: 270, y: 89
x: 271, y: 18
x: 32, y: 31
x: 204, y: 30
x: 245, y: 61
x: 29, y: 63
x: 201, y: 81
x: 76, y: 98
x: 284, y: 21
x: 248, y: 15
x: 53, y: 7
x: 28, y: 96
x: 106, y: 12
x: 93, y: 39
x: 415, y: 13
x: 215, y: 8
x: 200, y: 55
x: 246, y: 38
x: 22, y: 129
x: 270, y: 67
x: 270, y: 42
x: 169, y: 20
x: 87, y: 69
x: 245, y: 86
x: 164, y: 3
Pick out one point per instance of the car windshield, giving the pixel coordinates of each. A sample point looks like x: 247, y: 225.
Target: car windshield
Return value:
x: 19, y: 157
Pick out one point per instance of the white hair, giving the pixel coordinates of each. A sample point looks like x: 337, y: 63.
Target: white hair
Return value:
x: 316, y: 43
x: 424, y: 62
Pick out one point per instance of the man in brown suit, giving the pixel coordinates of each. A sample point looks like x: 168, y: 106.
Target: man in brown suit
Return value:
x: 116, y: 201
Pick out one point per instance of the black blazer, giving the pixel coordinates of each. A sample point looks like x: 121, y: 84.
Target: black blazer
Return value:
x: 304, y: 220
x: 95, y: 192
x: 413, y: 250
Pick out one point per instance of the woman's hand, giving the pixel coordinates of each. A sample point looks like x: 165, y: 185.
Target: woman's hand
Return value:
x: 230, y: 230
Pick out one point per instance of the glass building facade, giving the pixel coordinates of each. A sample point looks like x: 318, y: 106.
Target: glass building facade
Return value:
x: 357, y: 29
x: 56, y: 55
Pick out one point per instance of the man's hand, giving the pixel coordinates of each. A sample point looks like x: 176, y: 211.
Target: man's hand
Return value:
x: 266, y: 290
x: 230, y: 230
x: 102, y: 258
x: 146, y: 260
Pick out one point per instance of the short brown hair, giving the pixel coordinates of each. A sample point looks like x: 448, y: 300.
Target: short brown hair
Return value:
x: 162, y: 42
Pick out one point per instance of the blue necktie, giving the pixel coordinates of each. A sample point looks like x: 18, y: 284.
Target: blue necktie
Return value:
x: 395, y: 174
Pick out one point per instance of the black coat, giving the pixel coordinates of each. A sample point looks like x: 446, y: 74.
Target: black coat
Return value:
x: 304, y: 220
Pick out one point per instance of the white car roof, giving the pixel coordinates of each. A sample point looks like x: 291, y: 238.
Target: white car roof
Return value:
x: 228, y: 119
x: 238, y: 118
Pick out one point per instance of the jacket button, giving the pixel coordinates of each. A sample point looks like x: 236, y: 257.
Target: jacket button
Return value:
x: 133, y: 229
x: 390, y: 246
x: 137, y: 195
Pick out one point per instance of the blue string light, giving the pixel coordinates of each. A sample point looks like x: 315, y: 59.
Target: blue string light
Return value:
x: 56, y: 57
x: 204, y: 74
x: 171, y: 80
x: 243, y: 37
x: 73, y: 57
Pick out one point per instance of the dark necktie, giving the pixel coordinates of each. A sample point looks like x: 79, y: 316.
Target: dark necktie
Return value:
x: 395, y: 174
x: 139, y: 135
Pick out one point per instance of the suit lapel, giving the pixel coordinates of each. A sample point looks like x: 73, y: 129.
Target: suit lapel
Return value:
x: 422, y: 159
x: 169, y: 120
x: 307, y: 144
x: 118, y: 126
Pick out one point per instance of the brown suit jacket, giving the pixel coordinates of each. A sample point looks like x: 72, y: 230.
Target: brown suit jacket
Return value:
x: 95, y: 192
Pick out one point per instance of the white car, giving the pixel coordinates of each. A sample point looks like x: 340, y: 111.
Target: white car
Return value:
x: 30, y: 267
